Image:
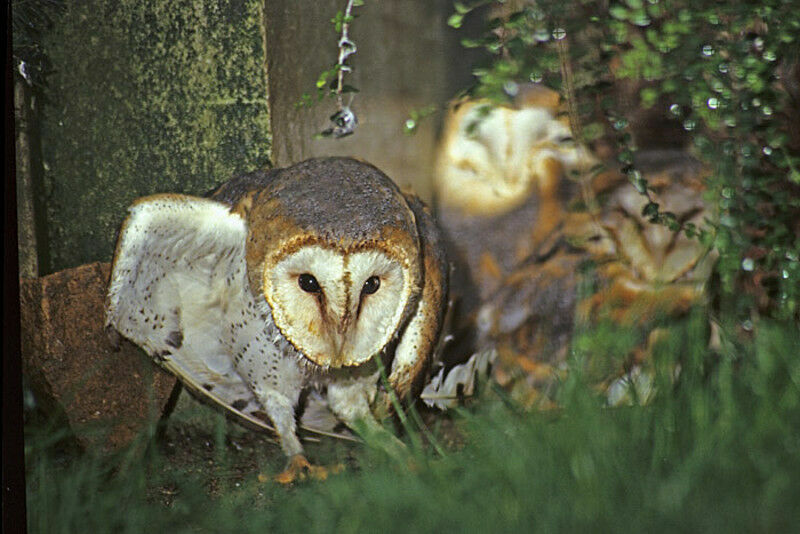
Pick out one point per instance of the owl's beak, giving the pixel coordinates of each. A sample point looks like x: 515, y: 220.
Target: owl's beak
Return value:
x: 338, y: 336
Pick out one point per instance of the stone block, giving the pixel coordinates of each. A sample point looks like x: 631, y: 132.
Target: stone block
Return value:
x: 107, y: 395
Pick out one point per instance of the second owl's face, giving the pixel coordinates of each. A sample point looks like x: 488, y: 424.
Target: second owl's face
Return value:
x: 492, y: 158
x: 338, y: 307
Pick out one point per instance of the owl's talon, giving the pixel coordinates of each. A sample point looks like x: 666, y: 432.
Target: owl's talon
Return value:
x: 299, y: 468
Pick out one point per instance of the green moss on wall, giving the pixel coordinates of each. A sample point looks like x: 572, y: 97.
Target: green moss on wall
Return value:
x: 147, y: 97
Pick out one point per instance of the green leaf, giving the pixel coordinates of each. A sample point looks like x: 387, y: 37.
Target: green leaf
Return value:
x: 649, y: 96
x: 455, y: 20
x: 324, y: 76
x: 650, y: 210
x: 619, y: 12
x: 461, y: 9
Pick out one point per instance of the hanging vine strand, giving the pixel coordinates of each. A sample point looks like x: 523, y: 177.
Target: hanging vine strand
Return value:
x: 331, y: 82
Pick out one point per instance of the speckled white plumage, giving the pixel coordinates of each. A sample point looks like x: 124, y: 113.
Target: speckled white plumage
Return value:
x: 179, y: 291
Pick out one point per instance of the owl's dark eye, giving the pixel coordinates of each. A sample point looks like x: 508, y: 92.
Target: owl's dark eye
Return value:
x: 308, y: 283
x: 371, y: 285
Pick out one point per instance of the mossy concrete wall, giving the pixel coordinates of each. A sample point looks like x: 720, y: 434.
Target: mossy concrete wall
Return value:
x: 180, y: 95
x: 146, y: 97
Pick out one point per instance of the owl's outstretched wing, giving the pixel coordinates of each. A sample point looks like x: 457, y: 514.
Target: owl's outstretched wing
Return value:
x: 178, y: 289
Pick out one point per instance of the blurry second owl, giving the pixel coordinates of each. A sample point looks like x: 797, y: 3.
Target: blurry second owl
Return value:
x: 612, y: 266
x: 501, y: 186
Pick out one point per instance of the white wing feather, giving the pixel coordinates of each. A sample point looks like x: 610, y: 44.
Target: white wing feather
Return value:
x: 444, y: 391
x: 177, y: 282
x: 179, y: 290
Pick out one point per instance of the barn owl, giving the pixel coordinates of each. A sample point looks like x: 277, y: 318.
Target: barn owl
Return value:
x: 631, y: 272
x: 312, y: 277
x: 502, y: 182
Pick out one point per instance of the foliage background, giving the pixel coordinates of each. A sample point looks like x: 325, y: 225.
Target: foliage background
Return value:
x: 720, y: 79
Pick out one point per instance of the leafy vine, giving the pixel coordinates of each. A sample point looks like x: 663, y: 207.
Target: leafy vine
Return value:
x: 330, y: 83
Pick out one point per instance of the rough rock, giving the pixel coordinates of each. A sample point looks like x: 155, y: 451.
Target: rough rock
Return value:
x: 107, y: 395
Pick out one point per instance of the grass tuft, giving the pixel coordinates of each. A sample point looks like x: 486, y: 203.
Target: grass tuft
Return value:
x: 717, y: 448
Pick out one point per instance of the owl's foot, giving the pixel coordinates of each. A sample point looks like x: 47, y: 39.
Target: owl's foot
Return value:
x: 299, y: 468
